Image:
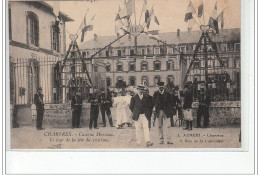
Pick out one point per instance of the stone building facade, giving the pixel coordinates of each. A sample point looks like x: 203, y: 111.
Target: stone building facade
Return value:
x: 155, y: 61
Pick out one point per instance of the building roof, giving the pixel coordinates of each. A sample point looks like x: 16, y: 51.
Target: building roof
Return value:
x: 225, y: 35
x: 48, y: 6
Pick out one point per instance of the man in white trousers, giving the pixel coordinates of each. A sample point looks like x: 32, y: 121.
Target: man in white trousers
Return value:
x: 138, y: 108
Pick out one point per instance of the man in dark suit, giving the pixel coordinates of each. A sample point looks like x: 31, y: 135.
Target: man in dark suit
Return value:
x: 76, y: 105
x: 140, y: 115
x: 38, y: 101
x: 105, y: 102
x: 163, y: 112
x: 94, y: 110
x: 148, y: 105
x: 203, y: 109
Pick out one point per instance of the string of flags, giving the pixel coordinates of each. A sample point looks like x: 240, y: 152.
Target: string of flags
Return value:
x: 214, y: 19
x: 123, y: 17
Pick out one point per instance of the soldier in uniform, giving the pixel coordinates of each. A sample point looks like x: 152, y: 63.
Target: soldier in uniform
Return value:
x: 163, y: 111
x: 203, y: 109
x: 105, y: 102
x: 94, y: 110
x: 76, y: 106
x: 38, y: 101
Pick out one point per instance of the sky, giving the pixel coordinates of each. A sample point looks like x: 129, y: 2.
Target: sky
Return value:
x: 170, y: 14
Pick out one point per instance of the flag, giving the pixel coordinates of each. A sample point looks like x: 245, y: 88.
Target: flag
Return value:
x: 200, y: 9
x: 147, y: 19
x: 123, y: 12
x: 221, y: 19
x: 130, y: 7
x: 153, y: 34
x: 86, y: 27
x: 118, y: 24
x: 213, y: 23
x: 156, y: 20
x: 189, y: 12
x: 191, y: 23
x: 84, y: 30
x: 215, y: 11
x: 144, y: 7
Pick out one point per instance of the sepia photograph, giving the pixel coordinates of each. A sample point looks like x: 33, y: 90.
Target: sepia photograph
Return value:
x: 124, y: 74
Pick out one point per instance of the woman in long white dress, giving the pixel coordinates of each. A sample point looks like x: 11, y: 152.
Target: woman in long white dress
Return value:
x: 121, y: 106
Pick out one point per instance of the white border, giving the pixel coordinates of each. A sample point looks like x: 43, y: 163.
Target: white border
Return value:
x: 157, y: 162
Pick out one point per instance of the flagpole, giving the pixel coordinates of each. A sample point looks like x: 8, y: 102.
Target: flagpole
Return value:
x: 203, y: 14
x: 141, y: 14
x: 135, y: 12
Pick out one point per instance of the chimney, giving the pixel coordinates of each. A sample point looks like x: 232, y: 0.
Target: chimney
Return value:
x: 95, y: 37
x: 178, y: 32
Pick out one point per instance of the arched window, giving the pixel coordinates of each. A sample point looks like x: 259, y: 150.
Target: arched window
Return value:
x: 131, y: 66
x: 132, y: 81
x: 32, y: 24
x: 145, y: 80
x: 144, y: 66
x: 108, y: 67
x: 119, y: 67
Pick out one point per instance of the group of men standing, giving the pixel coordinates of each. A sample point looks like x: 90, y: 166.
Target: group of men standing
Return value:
x: 164, y: 104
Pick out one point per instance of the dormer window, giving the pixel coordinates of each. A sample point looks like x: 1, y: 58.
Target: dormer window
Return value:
x: 157, y: 51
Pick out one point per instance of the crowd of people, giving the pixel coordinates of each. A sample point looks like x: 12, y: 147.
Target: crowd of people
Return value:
x: 136, y: 107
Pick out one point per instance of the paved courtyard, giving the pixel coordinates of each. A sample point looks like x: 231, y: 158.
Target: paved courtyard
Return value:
x: 84, y: 138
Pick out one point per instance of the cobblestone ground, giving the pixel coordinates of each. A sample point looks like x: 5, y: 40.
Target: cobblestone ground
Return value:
x: 108, y: 137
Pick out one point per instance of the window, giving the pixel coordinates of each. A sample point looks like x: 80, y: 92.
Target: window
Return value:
x: 95, y: 68
x: 168, y: 65
x: 170, y: 79
x: 56, y: 38
x: 107, y: 53
x: 132, y: 52
x: 223, y: 47
x: 119, y: 53
x: 145, y: 80
x: 169, y: 50
x: 10, y: 24
x: 32, y: 29
x: 157, y: 51
x: 119, y: 67
x: 237, y: 63
x: 225, y: 61
x: 237, y: 47
x: 144, y: 66
x: 108, y: 81
x: 157, y: 79
x: 196, y: 64
x: 183, y: 49
x: 88, y: 53
x: 157, y: 65
x: 132, y: 81
x: 148, y: 51
x: 108, y: 67
x: 131, y: 66
x: 84, y: 54
x: 143, y: 51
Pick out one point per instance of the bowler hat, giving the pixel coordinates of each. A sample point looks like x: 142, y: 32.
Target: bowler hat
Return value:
x: 160, y: 83
x: 140, y: 86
